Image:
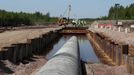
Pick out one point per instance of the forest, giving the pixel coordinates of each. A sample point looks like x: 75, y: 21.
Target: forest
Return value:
x: 21, y: 18
x: 121, y: 12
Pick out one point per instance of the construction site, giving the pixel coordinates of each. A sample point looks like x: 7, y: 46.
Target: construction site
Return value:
x: 41, y: 44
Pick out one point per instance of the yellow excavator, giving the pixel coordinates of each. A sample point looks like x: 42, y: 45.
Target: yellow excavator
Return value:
x: 62, y: 21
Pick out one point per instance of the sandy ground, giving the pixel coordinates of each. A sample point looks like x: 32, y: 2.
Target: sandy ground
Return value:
x: 101, y: 69
x: 20, y: 36
x: 119, y: 37
x: 23, y: 69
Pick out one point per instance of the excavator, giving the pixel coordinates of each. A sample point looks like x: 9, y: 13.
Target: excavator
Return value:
x: 62, y: 21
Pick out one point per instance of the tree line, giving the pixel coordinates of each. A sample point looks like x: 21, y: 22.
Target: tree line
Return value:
x: 21, y: 18
x: 120, y: 12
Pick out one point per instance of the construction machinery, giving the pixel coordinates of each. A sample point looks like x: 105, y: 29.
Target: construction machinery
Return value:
x: 63, y: 20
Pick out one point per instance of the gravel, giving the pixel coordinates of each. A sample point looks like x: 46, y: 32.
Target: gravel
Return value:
x: 23, y: 69
x: 101, y: 69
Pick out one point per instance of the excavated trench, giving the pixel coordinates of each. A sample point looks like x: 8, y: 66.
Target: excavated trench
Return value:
x: 48, y: 44
x: 87, y: 53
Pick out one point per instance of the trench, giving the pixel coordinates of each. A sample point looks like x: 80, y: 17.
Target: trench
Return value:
x: 47, y: 45
x: 87, y: 53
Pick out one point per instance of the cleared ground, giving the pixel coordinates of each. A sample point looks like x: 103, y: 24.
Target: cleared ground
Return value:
x: 119, y: 37
x: 21, y: 36
x: 10, y: 37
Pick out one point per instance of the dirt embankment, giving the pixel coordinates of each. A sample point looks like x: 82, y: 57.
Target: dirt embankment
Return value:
x: 119, y: 37
x: 26, y: 67
x: 20, y: 36
x: 101, y: 69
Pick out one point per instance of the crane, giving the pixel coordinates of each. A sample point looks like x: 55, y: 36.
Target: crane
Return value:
x: 63, y: 20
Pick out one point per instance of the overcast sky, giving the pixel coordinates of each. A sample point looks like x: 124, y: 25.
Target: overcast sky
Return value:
x: 80, y: 8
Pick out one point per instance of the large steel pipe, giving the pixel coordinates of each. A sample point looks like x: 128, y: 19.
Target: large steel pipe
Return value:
x: 65, y: 61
